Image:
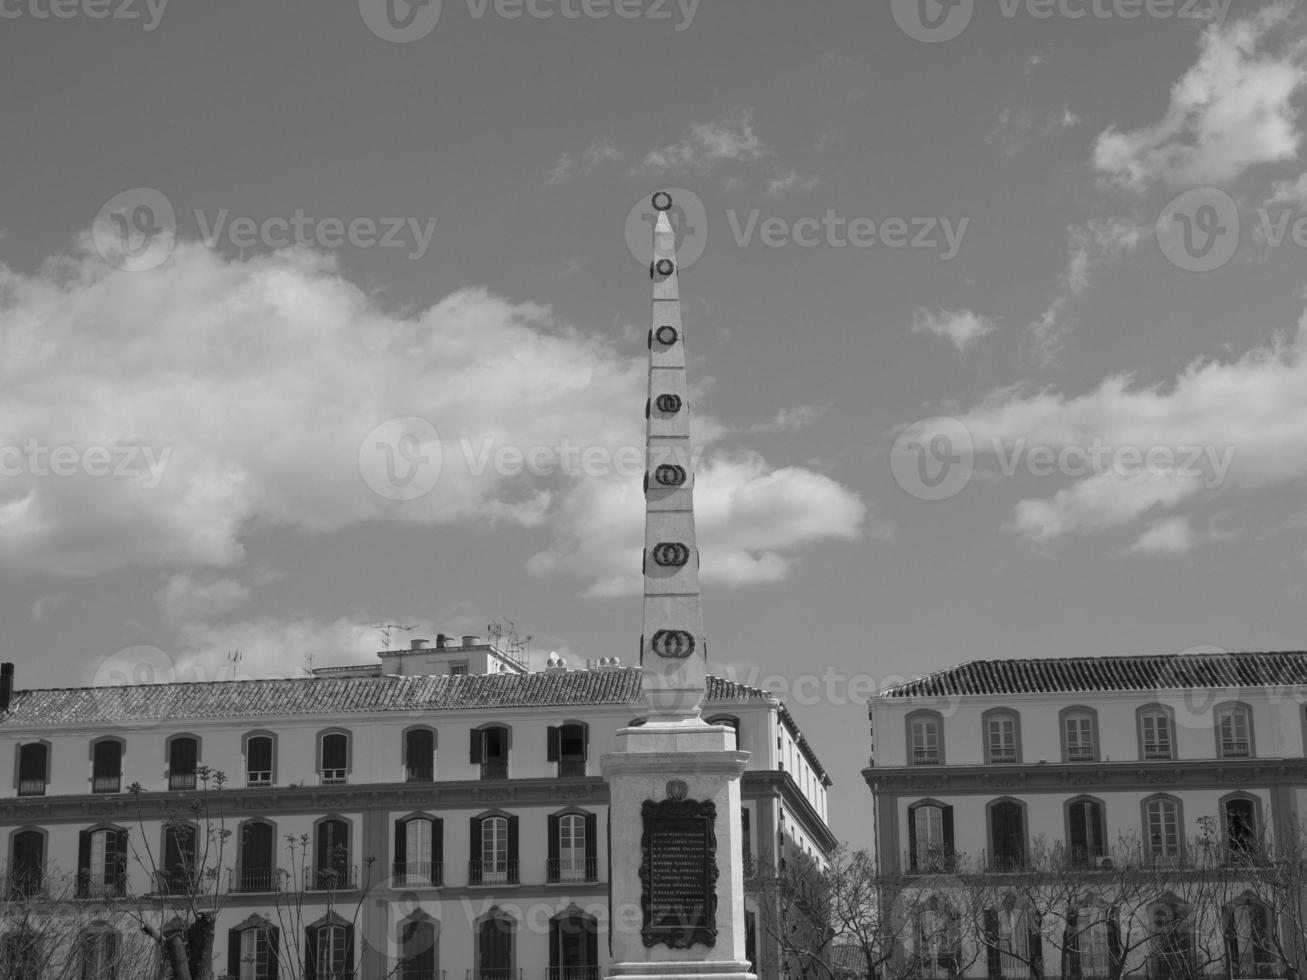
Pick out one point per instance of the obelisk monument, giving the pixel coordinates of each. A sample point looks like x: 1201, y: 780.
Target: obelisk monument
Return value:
x: 677, y: 877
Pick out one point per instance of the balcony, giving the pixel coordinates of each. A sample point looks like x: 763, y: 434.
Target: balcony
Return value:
x: 31, y: 787
x: 492, y: 873
x: 107, y: 784
x: 181, y: 780
x: 572, y: 973
x: 174, y: 882
x: 1080, y: 753
x: 253, y: 880
x: 109, y: 884
x: 418, y: 874
x: 925, y: 757
x: 333, y: 777
x: 930, y: 861
x: 1005, y: 860
x: 561, y: 870
x: 330, y: 879
x: 505, y: 974
x: 494, y: 770
x: 419, y: 774
x: 258, y: 777
x: 572, y: 767
x: 23, y: 883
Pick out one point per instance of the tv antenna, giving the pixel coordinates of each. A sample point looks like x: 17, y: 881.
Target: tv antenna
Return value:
x: 234, y: 657
x: 387, y: 628
x: 517, y: 648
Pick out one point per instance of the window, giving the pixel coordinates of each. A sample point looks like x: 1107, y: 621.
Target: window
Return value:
x: 21, y: 954
x: 1249, y: 942
x: 930, y: 836
x: 419, y: 755
x: 252, y: 949
x: 1162, y: 837
x: 256, y: 858
x: 572, y: 848
x: 333, y: 758
x: 573, y: 946
x: 938, y: 940
x: 1234, y: 731
x: 1002, y: 736
x: 26, y: 864
x: 490, y: 747
x: 1086, y: 832
x: 1156, y: 733
x: 494, y: 851
x: 494, y: 959
x: 260, y: 755
x: 1171, y: 952
x: 99, y: 947
x: 332, y: 869
x: 418, y: 949
x: 566, y: 745
x: 1012, y: 941
x: 419, y: 851
x: 102, y: 863
x: 33, y: 768
x: 458, y: 668
x: 1079, y: 735
x: 329, y: 951
x: 180, y: 870
x: 1007, y: 835
x: 106, y: 765
x: 1240, y: 823
x: 1089, y: 940
x: 925, y: 738
x: 183, y: 759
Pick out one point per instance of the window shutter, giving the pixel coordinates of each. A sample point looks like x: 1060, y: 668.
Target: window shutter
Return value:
x: 912, y: 839
x: 585, y: 741
x: 512, y: 838
x: 553, y: 841
x: 591, y: 941
x: 274, y: 951
x: 1035, y: 944
x: 401, y: 842
x: 310, y: 954
x: 84, y: 869
x: 591, y: 848
x: 233, y: 953
x: 995, y: 960
x: 948, y: 830
x: 324, y: 846
x: 1113, y: 939
x: 437, y: 839
x: 551, y: 745
x: 477, y: 753
x: 349, y: 949
x: 475, y: 841
x: 117, y: 853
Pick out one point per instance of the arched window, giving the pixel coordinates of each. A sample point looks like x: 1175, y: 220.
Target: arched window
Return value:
x: 419, y: 947
x: 102, y: 863
x: 179, y: 873
x: 22, y: 953
x: 925, y: 738
x: 332, y: 868
x: 1079, y: 728
x: 1234, y: 731
x: 419, y: 850
x: 1086, y: 832
x: 106, y: 765
x: 183, y: 761
x: 1171, y: 945
x: 573, y: 945
x: 1011, y: 937
x: 572, y: 846
x: 938, y: 940
x: 26, y: 863
x: 930, y: 836
x: 1241, y: 825
x: 1163, y: 829
x: 256, y: 857
x: 260, y: 759
x: 567, y: 744
x: 33, y: 768
x: 1002, y: 735
x: 252, y: 949
x: 1156, y: 732
x: 329, y: 949
x: 99, y: 947
x: 495, y: 951
x: 494, y: 850
x: 1007, y: 835
x: 1250, y: 948
x: 419, y: 755
x: 333, y: 757
x: 490, y: 747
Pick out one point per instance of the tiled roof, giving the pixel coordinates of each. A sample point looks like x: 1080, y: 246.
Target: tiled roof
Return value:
x: 1086, y: 674
x: 338, y: 695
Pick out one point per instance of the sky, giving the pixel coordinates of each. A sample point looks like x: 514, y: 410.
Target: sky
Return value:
x: 316, y: 318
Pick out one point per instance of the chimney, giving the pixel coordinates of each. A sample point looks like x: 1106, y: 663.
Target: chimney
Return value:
x: 417, y: 644
x: 441, y: 641
x: 471, y: 640
x: 6, y: 685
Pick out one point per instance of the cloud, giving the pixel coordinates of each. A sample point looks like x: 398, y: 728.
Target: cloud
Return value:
x: 1293, y: 192
x: 184, y: 597
x: 1017, y: 129
x: 791, y: 419
x: 1172, y: 536
x: 270, y: 647
x: 595, y: 155
x: 45, y: 605
x: 730, y: 139
x: 1230, y: 111
x: 792, y: 181
x: 265, y: 379
x: 962, y: 328
x: 751, y: 522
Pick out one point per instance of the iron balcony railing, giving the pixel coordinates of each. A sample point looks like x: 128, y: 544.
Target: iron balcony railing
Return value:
x: 31, y: 787
x: 572, y: 767
x: 571, y: 869
x: 106, y: 884
x: 504, y: 974
x: 1014, y: 859
x: 419, y: 774
x: 492, y: 873
x: 333, y: 777
x: 253, y: 880
x: 181, y: 780
x: 330, y: 879
x: 23, y: 883
x: 494, y: 770
x: 572, y: 973
x: 930, y: 861
x: 258, y: 777
x: 174, y: 882
x: 107, y: 784
x: 413, y: 874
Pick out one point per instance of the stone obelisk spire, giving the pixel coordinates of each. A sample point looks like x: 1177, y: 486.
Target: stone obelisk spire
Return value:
x: 672, y: 648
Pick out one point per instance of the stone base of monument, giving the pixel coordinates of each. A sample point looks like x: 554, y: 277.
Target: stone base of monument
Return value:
x: 676, y: 851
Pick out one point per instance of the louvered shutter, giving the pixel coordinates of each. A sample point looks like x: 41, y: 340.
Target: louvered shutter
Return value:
x: 310, y: 954
x: 912, y: 839
x: 477, y: 751
x: 512, y: 839
x: 233, y: 953
x: 992, y: 954
x: 274, y: 951
x: 553, y: 844
x: 551, y: 745
x: 591, y: 850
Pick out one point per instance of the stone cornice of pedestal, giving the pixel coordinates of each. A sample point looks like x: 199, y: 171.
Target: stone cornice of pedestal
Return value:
x: 713, y: 763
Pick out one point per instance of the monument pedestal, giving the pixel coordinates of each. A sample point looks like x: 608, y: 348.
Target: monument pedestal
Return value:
x: 676, y: 850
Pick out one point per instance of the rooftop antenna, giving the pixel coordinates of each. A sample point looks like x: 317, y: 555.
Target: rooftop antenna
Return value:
x: 234, y: 657
x: 387, y: 628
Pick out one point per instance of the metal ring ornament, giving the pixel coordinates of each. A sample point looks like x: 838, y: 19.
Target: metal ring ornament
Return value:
x: 666, y: 197
x: 667, y: 336
x: 670, y: 475
x: 664, y: 267
x: 671, y: 554
x: 668, y: 403
x: 675, y: 644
